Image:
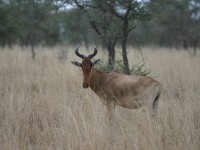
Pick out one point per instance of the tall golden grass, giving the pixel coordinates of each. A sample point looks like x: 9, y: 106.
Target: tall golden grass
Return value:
x: 43, y: 104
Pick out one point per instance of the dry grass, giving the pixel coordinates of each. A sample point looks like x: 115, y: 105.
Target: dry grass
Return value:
x: 43, y: 105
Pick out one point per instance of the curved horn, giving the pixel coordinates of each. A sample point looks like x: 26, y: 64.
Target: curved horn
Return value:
x: 78, y: 54
x: 95, y: 52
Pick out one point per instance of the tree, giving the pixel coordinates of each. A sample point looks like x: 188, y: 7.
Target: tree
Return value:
x: 113, y: 20
x: 8, y: 29
x: 30, y: 17
x: 128, y: 12
x: 194, y: 32
x: 179, y: 20
x: 75, y: 26
x: 104, y: 24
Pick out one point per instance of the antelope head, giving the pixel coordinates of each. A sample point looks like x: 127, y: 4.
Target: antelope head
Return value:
x: 86, y: 65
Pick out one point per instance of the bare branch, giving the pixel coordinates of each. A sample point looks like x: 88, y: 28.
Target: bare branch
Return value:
x: 114, y: 11
x: 128, y: 11
x: 92, y: 23
x: 129, y: 30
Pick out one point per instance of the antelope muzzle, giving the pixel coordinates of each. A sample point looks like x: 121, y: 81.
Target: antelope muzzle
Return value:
x: 85, y: 85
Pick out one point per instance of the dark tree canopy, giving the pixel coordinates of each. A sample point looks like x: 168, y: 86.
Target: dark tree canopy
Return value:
x: 113, y: 21
x: 172, y: 23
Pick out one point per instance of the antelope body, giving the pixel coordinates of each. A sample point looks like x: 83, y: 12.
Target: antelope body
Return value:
x: 115, y: 88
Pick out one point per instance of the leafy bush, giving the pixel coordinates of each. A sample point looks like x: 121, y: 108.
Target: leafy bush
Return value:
x: 138, y: 69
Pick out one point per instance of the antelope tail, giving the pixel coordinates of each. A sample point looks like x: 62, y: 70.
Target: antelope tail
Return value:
x: 155, y: 102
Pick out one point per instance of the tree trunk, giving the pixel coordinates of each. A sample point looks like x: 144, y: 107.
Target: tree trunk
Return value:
x: 111, y: 53
x: 32, y: 43
x: 185, y: 46
x: 85, y: 39
x: 33, y: 51
x: 124, y: 55
x: 124, y: 51
x: 195, y: 46
x: 183, y: 37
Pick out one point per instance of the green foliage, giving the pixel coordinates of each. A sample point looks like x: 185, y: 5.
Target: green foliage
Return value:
x: 28, y: 22
x: 75, y: 26
x: 176, y: 22
x: 8, y: 29
x: 173, y: 23
x: 138, y: 69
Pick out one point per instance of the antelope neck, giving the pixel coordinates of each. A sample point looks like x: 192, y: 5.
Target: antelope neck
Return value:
x: 96, y: 79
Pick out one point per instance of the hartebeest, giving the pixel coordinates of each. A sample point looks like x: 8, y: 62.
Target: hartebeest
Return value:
x: 116, y: 88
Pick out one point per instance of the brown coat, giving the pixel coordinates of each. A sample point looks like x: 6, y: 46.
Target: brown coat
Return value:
x: 115, y: 88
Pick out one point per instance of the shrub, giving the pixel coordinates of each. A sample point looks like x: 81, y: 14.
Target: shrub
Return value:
x: 138, y: 69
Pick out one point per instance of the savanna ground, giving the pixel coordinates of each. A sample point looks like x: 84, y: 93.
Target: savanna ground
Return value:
x: 43, y: 104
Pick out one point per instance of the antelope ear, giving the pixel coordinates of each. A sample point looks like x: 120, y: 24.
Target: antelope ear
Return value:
x: 75, y: 63
x: 96, y: 62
